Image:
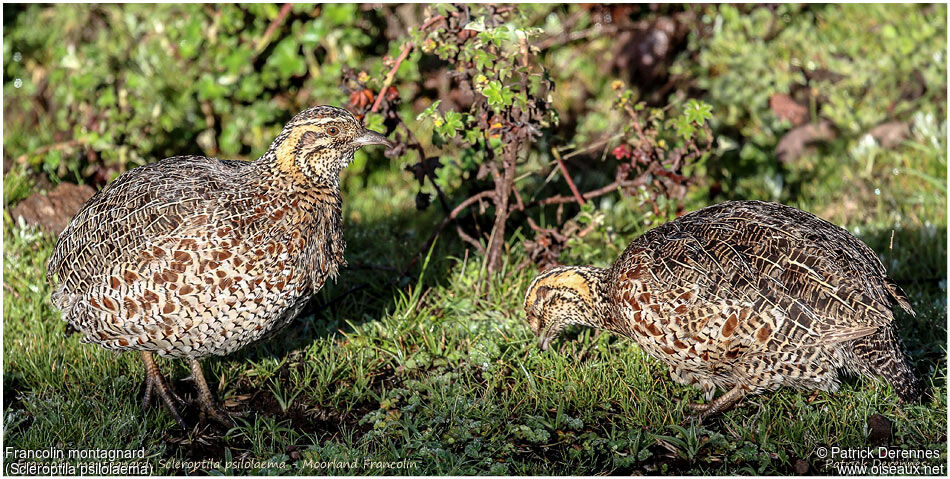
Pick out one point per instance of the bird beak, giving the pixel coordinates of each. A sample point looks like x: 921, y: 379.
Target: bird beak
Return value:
x: 370, y: 137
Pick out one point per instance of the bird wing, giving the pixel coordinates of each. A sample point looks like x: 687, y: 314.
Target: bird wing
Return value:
x: 740, y: 274
x: 164, y: 199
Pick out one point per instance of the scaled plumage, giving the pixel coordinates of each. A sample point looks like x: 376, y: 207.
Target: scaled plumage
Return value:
x: 746, y: 296
x: 192, y: 256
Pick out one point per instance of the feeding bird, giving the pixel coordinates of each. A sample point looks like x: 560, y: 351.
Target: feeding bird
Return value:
x: 191, y: 256
x: 744, y: 296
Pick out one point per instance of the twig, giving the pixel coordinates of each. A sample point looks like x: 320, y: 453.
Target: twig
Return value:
x: 502, y: 196
x: 551, y: 231
x: 592, y: 226
x: 413, y: 143
x: 592, y: 146
x: 590, y: 194
x: 468, y: 202
x: 468, y: 239
x: 448, y: 219
x: 524, y: 51
x: 284, y: 11
x: 519, y: 204
x: 432, y: 21
x: 635, y: 119
x: 553, y: 200
x: 391, y: 76
x: 567, y: 177
x: 568, y: 34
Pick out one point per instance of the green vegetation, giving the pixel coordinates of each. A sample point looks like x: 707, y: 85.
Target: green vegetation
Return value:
x: 435, y: 365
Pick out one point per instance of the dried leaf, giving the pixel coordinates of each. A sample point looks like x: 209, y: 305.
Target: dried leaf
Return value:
x: 787, y: 109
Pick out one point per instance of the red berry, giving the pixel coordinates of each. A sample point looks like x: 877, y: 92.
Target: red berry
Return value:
x: 622, y: 151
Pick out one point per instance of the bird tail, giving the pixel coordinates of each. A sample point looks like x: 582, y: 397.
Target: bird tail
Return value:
x: 883, y: 354
x: 899, y: 296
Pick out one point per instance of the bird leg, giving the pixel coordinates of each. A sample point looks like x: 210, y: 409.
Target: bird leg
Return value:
x: 721, y: 404
x: 155, y: 382
x: 208, y: 405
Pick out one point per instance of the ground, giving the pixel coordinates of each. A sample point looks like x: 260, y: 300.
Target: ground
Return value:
x: 437, y: 373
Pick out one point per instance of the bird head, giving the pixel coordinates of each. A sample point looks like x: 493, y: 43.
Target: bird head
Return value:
x: 319, y: 142
x: 564, y: 296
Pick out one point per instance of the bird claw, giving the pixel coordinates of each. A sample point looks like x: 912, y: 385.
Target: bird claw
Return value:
x: 719, y: 405
x: 169, y: 397
x: 155, y: 384
x: 150, y: 388
x: 218, y: 415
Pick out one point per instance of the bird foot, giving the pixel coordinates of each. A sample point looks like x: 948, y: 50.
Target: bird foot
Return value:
x: 697, y: 407
x: 699, y: 411
x: 211, y: 410
x: 721, y: 404
x: 155, y: 384
x: 158, y: 383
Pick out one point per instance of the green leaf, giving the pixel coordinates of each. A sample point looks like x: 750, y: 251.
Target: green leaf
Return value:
x: 684, y: 128
x: 498, y: 95
x: 429, y: 112
x: 451, y: 124
x: 374, y: 121
x: 287, y: 60
x: 230, y: 138
x: 250, y: 88
x: 697, y: 112
x: 209, y: 89
x: 446, y: 50
x: 238, y: 59
x: 483, y: 59
x: 313, y: 32
x: 471, y: 136
x: 339, y: 13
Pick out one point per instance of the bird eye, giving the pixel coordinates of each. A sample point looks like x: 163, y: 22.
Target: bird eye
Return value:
x: 333, y: 131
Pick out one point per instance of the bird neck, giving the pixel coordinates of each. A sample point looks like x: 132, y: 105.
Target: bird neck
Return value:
x: 311, y: 206
x: 305, y: 200
x: 589, y: 283
x: 282, y: 166
x: 599, y: 304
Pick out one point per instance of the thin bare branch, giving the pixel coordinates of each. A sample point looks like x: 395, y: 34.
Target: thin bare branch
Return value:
x: 468, y: 239
x: 567, y: 177
x: 448, y: 219
x: 391, y: 75
x: 262, y: 42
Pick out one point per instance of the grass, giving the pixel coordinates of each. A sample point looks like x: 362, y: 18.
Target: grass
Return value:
x: 437, y: 374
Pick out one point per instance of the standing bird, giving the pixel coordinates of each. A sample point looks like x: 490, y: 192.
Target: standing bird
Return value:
x: 192, y: 256
x: 746, y: 296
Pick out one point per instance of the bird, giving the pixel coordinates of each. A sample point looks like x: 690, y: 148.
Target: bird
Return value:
x: 190, y: 256
x: 742, y: 296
